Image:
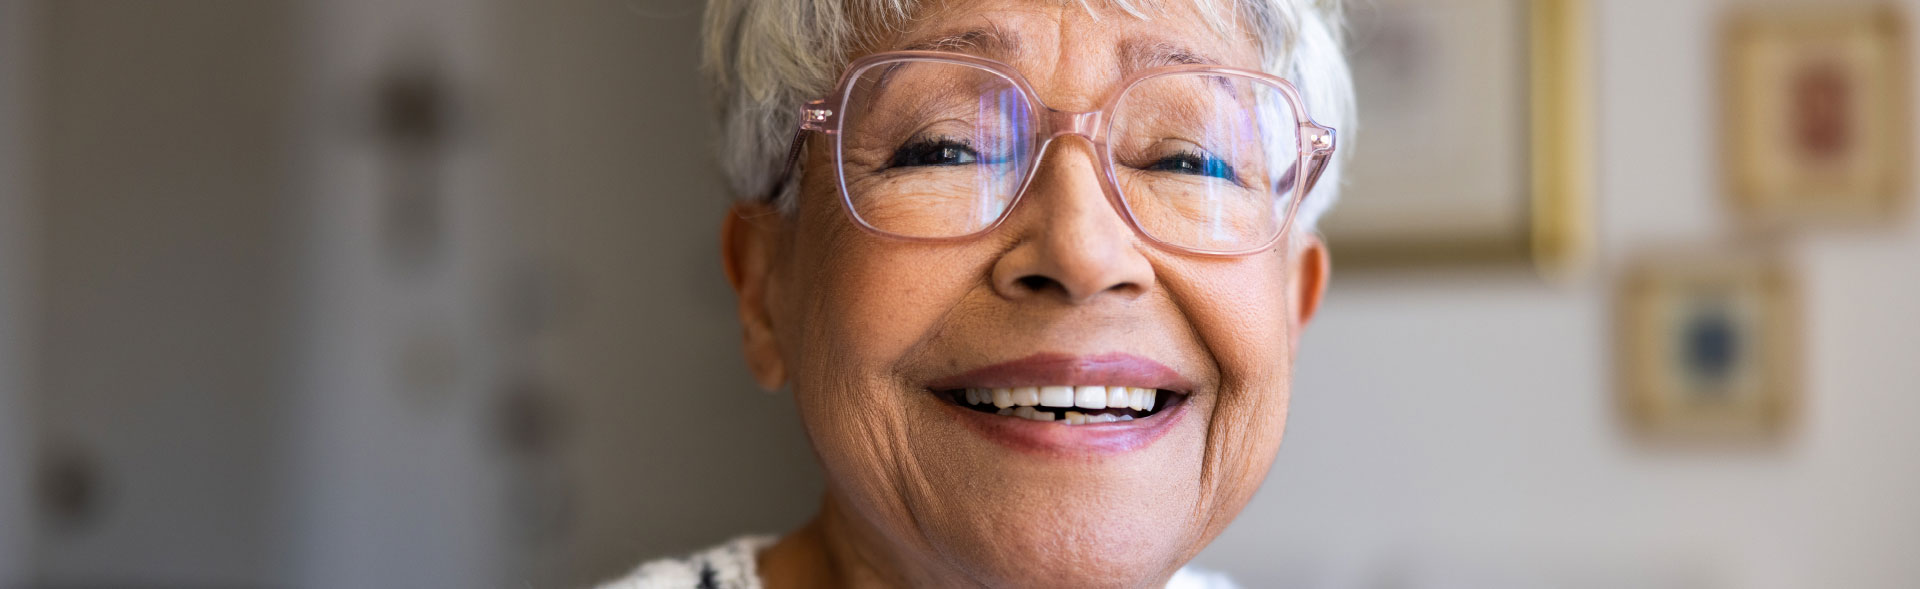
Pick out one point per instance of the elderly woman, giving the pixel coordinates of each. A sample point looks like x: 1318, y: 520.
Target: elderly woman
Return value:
x: 1034, y: 271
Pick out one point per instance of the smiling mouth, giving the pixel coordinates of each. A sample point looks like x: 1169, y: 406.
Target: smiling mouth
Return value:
x: 1075, y: 405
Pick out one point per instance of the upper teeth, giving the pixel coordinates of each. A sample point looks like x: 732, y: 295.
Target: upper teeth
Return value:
x: 1088, y: 397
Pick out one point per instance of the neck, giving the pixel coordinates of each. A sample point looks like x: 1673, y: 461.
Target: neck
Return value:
x: 831, y: 551
x: 835, y: 550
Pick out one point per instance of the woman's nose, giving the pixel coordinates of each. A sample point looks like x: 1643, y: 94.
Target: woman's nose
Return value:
x: 1073, y: 245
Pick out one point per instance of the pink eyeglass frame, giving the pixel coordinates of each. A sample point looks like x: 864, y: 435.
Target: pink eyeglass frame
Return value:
x: 1317, y: 142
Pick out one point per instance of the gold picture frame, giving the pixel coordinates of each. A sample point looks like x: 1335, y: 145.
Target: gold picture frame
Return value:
x: 1816, y: 119
x: 1708, y: 345
x: 1521, y: 173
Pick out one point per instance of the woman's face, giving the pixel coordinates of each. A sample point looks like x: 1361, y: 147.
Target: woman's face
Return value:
x: 879, y: 338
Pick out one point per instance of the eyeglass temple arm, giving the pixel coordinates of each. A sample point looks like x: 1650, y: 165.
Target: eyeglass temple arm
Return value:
x: 814, y: 116
x: 1322, y: 141
x: 786, y: 172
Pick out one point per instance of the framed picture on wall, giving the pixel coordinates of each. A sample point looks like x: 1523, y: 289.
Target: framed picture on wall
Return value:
x: 1817, y: 111
x: 1473, y: 145
x: 1708, y: 345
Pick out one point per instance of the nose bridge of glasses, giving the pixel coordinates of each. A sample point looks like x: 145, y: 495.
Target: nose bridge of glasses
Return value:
x: 1084, y: 124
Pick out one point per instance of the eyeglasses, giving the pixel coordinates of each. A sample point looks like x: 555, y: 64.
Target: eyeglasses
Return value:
x: 937, y: 146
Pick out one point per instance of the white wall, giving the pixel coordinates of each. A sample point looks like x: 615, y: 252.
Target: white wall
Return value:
x: 667, y: 446
x: 389, y: 478
x: 17, y: 231
x: 1459, y: 430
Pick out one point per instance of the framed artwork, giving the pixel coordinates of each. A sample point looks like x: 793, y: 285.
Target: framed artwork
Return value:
x: 1474, y: 136
x: 1708, y: 345
x: 1816, y: 114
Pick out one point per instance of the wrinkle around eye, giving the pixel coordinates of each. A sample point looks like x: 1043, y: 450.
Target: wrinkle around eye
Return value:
x: 1208, y: 164
x: 888, y: 133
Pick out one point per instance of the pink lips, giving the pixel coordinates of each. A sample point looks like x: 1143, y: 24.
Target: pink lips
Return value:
x: 1057, y: 439
x: 1064, y: 369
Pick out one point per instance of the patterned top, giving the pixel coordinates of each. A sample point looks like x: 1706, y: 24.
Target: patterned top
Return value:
x: 732, y: 566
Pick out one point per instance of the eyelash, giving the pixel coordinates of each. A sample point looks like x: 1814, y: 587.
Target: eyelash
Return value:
x: 913, y: 154
x: 916, y: 153
x: 1196, y: 164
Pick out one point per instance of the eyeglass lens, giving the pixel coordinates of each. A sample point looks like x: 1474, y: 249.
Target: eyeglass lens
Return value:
x: 933, y: 149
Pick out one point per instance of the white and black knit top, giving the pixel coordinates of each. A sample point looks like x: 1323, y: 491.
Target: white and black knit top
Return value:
x: 731, y: 566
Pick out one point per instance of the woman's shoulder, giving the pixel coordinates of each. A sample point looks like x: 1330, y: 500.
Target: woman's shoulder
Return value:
x: 727, y: 566
x: 732, y: 566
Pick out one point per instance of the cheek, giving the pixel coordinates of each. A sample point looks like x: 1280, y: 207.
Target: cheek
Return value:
x: 874, y: 303
x: 1240, y: 313
x: 859, y: 304
x: 863, y: 300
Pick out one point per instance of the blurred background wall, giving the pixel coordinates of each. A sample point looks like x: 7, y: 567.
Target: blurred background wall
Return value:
x: 1464, y: 424
x: 629, y: 313
x: 15, y: 317
x: 1460, y: 428
x: 160, y: 151
x: 388, y: 475
x: 425, y: 294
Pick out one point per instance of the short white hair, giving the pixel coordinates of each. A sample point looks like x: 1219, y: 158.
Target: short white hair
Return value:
x: 765, y: 58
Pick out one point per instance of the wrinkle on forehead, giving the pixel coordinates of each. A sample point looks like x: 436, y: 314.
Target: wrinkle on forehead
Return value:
x: 1135, y: 52
x: 995, y: 42
x: 1221, y: 15
x: 927, y: 26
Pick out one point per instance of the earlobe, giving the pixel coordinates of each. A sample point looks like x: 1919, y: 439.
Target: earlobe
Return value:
x: 747, y: 237
x: 1311, y: 269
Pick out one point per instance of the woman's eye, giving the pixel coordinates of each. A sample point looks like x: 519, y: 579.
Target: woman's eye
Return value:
x: 1195, y: 164
x: 933, y: 153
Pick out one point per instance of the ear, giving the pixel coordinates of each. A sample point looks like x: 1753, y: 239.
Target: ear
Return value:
x: 748, y: 238
x: 1311, y: 269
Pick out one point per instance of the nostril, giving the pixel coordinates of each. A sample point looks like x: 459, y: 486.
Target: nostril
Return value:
x: 1039, y: 283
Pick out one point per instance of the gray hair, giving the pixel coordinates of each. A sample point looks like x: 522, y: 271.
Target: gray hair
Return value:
x: 764, y: 58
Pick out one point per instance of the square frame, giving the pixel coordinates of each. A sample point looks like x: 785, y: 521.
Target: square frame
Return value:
x: 1547, y: 223
x: 1816, y: 115
x: 1708, y: 345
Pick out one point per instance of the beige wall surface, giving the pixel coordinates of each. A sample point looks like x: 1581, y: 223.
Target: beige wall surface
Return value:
x: 1459, y: 430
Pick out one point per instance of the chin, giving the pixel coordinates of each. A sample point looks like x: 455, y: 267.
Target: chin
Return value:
x: 1051, y: 548
x: 1010, y: 511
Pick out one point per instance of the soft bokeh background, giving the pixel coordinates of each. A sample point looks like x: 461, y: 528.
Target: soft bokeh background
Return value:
x: 362, y: 293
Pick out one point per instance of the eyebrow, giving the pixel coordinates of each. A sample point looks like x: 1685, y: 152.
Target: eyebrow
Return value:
x: 988, y: 40
x: 1140, y: 54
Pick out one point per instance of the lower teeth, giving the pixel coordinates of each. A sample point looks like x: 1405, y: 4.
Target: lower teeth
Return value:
x: 1070, y: 417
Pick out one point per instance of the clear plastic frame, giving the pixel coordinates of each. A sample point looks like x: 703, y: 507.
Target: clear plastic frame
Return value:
x: 934, y: 146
